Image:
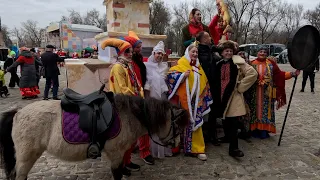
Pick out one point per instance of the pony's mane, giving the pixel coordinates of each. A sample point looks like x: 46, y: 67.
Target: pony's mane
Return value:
x: 152, y: 113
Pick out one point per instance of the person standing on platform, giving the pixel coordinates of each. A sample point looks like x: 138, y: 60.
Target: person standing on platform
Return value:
x: 190, y: 31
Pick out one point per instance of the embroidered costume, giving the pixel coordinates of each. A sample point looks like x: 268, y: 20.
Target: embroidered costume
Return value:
x: 139, y: 69
x: 270, y: 88
x: 194, y: 95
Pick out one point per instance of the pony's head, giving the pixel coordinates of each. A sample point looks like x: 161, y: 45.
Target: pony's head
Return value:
x: 158, y: 117
x: 165, y: 120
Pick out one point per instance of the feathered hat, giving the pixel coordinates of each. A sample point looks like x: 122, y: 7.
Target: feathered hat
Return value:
x: 132, y: 38
x: 119, y: 44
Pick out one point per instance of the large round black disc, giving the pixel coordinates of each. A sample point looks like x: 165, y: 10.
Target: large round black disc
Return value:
x: 304, y: 47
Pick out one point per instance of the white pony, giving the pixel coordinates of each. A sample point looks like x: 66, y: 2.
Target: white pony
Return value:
x: 26, y: 133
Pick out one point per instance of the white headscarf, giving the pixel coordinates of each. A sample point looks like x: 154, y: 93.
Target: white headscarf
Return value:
x: 156, y: 73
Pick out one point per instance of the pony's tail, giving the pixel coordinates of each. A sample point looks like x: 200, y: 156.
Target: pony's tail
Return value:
x: 7, y: 151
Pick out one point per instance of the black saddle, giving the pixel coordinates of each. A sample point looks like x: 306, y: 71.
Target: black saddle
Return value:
x: 95, y: 115
x: 85, y: 105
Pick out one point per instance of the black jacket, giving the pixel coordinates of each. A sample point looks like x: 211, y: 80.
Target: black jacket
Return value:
x: 49, y: 61
x: 37, y: 64
x: 9, y: 61
x: 208, y: 60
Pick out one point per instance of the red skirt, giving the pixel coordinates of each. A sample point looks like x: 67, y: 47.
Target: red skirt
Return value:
x: 30, y: 91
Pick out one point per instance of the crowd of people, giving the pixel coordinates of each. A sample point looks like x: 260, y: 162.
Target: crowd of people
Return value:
x: 213, y: 80
x: 32, y: 67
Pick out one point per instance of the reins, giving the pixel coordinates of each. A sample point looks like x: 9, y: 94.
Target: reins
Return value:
x: 172, y: 128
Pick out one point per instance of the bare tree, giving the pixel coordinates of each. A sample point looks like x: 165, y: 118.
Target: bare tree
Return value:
x: 292, y: 17
x: 251, y: 14
x: 6, y: 35
x: 241, y: 11
x: 160, y: 17
x: 313, y: 16
x: 93, y: 18
x: 31, y: 33
x: 74, y: 17
x: 268, y: 18
x: 182, y: 12
x: 177, y: 29
x: 19, y: 35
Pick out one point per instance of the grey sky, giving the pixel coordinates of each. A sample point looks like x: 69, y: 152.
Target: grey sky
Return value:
x: 45, y: 11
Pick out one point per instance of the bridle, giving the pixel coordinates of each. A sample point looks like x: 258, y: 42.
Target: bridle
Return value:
x: 173, y: 129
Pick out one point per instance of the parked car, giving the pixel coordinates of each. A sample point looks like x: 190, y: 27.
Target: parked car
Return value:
x: 282, y: 58
x: 274, y: 49
x: 250, y: 49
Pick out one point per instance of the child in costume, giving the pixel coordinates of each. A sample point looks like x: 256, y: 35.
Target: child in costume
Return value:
x: 156, y: 87
x: 3, y: 88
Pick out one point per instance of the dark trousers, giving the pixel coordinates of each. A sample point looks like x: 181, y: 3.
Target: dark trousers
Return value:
x: 212, y: 126
x: 311, y: 76
x: 230, y: 127
x: 14, y: 79
x: 55, y: 82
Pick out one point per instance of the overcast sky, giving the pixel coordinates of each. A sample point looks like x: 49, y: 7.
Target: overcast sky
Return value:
x: 14, y: 12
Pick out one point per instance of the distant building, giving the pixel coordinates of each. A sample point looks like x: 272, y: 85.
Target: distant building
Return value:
x: 69, y: 37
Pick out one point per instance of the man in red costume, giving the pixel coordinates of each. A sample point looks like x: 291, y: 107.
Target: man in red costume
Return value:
x: 141, y: 72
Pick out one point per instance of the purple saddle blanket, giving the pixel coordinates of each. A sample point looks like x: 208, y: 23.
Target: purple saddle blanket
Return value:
x: 74, y: 135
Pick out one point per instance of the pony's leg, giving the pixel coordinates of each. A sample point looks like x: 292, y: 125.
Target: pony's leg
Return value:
x: 25, y: 161
x: 116, y: 160
x: 116, y: 171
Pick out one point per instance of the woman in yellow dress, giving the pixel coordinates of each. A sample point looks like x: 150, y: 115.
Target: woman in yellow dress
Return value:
x: 188, y: 81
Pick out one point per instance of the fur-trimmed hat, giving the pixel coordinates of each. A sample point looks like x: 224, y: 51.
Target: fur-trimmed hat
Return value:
x: 227, y: 45
x: 119, y: 44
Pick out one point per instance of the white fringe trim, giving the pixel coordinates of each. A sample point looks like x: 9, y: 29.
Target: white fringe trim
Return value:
x: 177, y: 86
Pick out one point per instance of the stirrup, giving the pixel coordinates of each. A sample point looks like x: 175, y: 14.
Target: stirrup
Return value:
x: 93, y: 151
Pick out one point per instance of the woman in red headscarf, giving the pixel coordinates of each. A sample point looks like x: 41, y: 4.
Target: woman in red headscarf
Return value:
x: 195, y: 26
